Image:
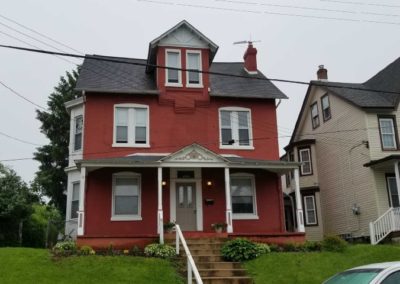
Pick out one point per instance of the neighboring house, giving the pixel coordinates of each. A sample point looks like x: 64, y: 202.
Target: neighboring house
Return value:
x: 150, y: 145
x: 346, y: 138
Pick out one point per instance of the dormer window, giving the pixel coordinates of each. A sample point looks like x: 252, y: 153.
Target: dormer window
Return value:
x: 193, y: 61
x: 173, y: 76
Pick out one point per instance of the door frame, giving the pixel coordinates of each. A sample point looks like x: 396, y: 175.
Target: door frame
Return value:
x: 387, y: 176
x: 199, y: 194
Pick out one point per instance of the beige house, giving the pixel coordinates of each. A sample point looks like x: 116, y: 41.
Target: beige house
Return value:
x: 346, y: 137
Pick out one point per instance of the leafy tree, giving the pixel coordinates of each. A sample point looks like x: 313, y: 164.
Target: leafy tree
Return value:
x: 51, y: 179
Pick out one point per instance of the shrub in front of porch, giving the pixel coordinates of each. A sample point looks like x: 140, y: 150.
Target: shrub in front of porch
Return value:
x: 160, y: 251
x: 242, y: 249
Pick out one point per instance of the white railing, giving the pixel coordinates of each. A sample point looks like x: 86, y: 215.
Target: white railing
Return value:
x: 384, y: 225
x: 191, y: 266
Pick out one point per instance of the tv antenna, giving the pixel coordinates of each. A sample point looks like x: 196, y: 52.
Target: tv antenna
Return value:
x: 246, y: 41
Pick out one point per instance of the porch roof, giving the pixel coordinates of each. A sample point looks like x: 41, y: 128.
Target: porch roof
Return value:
x: 384, y: 163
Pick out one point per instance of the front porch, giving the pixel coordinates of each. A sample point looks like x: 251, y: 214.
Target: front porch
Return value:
x: 127, y: 200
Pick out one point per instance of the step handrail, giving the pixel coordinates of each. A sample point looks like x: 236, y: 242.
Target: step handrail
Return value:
x: 384, y: 225
x: 191, y: 266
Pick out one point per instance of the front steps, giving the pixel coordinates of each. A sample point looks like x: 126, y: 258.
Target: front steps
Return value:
x: 206, y: 253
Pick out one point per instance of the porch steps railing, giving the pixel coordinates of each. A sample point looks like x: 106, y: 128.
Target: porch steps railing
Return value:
x: 386, y: 224
x: 191, y: 266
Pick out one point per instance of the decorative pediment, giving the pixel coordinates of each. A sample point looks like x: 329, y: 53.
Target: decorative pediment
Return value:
x: 194, y: 153
x: 183, y: 37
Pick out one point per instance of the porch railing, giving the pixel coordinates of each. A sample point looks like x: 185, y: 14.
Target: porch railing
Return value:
x: 191, y: 266
x: 387, y: 223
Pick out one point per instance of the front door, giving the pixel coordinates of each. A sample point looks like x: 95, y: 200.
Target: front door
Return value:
x: 186, y: 206
x: 392, y: 191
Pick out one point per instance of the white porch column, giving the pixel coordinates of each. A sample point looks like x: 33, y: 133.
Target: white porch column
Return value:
x: 160, y: 218
x: 396, y: 172
x: 81, y: 212
x: 299, y: 204
x: 229, y: 227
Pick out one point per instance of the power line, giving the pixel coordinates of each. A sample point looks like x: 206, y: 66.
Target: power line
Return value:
x: 362, y: 3
x: 18, y: 139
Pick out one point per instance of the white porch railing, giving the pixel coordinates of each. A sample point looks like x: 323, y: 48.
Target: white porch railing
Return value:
x: 387, y: 223
x: 191, y: 266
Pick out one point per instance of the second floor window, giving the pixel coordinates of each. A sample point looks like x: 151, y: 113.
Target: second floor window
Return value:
x: 314, y: 115
x: 173, y: 59
x: 78, y: 126
x: 131, y: 126
x: 235, y: 128
x: 326, y: 107
x: 388, y: 133
x: 193, y: 61
x: 305, y: 159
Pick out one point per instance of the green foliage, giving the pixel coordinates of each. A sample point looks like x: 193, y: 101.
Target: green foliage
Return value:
x: 86, y: 250
x: 334, y: 244
x: 65, y: 248
x: 169, y: 226
x: 136, y: 251
x: 159, y: 250
x: 51, y: 180
x: 241, y: 249
x: 312, y: 246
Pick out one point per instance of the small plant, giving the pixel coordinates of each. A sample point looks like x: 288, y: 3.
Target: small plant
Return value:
x: 169, y: 226
x: 86, y: 250
x: 136, y: 251
x: 241, y: 249
x: 159, y: 250
x: 64, y: 248
x: 334, y: 243
x: 312, y: 246
x: 219, y: 227
x: 275, y: 248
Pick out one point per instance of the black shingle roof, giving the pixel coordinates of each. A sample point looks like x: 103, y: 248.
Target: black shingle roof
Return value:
x: 118, y: 77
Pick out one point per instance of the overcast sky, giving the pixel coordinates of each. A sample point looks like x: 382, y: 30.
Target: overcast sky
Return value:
x: 354, y: 40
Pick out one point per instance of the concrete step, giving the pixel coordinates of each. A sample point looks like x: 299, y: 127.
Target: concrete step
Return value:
x: 199, y: 241
x: 222, y: 272
x: 203, y: 246
x: 219, y: 265
x: 207, y: 258
x: 227, y: 280
x: 205, y: 251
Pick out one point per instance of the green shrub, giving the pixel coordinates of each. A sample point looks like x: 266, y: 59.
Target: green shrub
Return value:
x: 241, y: 249
x: 65, y: 248
x: 136, y: 251
x: 334, y: 243
x: 159, y: 250
x: 312, y: 246
x: 86, y: 250
x: 275, y: 248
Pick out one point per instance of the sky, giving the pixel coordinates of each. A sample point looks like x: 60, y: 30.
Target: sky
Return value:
x: 353, y: 39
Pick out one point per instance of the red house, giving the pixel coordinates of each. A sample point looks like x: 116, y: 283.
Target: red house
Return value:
x: 150, y: 145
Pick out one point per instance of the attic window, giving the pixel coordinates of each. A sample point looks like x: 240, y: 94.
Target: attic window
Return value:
x: 314, y: 115
x: 193, y: 61
x: 326, y: 107
x: 173, y: 76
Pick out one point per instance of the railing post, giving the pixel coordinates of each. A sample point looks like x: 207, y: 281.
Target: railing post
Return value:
x: 393, y: 220
x: 189, y: 271
x: 372, y: 233
x: 177, y: 241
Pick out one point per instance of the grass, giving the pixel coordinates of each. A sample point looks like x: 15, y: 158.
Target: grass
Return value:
x: 309, y: 268
x: 25, y: 265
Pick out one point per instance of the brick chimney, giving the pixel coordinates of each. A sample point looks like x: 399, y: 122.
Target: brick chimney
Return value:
x: 250, y: 59
x: 322, y: 73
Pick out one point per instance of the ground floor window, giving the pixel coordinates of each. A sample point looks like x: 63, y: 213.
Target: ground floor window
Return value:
x: 243, y: 196
x: 75, y: 200
x: 126, y: 196
x: 310, y: 210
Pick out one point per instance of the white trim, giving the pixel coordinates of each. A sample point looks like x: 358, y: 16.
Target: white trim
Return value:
x: 235, y: 128
x: 393, y: 133
x: 81, y: 212
x: 72, y: 200
x: 168, y: 84
x: 199, y: 194
x: 127, y: 217
x: 131, y: 124
x: 299, y: 205
x: 306, y: 209
x: 200, y: 84
x: 74, y: 134
x: 75, y: 102
x: 245, y: 216
x: 309, y: 161
x: 250, y: 72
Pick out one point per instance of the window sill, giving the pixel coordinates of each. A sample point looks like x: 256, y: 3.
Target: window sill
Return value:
x: 126, y: 145
x: 236, y: 147
x: 127, y: 218
x: 174, y: 85
x: 245, y: 217
x: 194, y: 86
x: 73, y: 220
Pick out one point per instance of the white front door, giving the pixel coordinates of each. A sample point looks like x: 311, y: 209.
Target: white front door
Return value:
x: 186, y: 213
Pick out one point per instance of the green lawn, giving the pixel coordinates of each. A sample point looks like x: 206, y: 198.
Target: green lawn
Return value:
x: 25, y: 265
x: 310, y: 268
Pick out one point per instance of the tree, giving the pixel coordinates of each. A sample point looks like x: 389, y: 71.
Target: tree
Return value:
x: 15, y: 206
x: 51, y: 178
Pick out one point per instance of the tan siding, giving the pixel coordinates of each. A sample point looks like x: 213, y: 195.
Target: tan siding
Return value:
x: 381, y: 193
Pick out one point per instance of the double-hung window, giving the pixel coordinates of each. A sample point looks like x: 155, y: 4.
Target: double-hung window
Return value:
x: 78, y: 126
x: 235, y: 128
x: 305, y: 159
x: 75, y: 200
x: 126, y: 197
x: 193, y: 61
x: 314, y: 115
x: 173, y: 76
x: 387, y: 127
x: 243, y: 196
x: 131, y: 125
x: 326, y: 107
x: 310, y: 210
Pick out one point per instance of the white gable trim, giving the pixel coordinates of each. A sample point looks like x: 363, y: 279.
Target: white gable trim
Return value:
x: 194, y: 154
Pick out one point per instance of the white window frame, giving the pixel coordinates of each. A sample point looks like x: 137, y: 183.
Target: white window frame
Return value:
x: 131, y: 125
x: 235, y: 129
x: 72, y: 196
x: 393, y: 133
x: 75, y: 132
x: 130, y: 217
x: 200, y: 84
x: 245, y: 216
x: 168, y: 84
x: 306, y: 209
x: 303, y: 173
